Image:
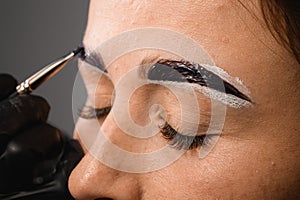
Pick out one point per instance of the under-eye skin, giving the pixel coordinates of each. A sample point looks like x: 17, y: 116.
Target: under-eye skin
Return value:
x: 183, y: 142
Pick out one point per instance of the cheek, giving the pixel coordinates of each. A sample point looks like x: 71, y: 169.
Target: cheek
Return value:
x: 240, y: 169
x: 187, y: 178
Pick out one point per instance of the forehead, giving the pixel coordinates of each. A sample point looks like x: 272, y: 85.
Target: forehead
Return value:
x: 192, y: 18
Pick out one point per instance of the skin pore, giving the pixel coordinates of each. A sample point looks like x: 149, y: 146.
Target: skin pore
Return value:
x: 257, y: 155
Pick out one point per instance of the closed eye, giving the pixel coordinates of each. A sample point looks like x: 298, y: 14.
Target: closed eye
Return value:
x: 88, y: 112
x: 184, y: 142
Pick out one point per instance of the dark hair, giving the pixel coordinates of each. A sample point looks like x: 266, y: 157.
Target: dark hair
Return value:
x: 283, y: 20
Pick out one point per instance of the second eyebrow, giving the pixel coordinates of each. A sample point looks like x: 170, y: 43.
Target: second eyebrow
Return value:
x: 94, y: 59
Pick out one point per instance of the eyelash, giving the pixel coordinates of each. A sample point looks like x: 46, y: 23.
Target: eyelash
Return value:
x: 89, y: 112
x: 183, y: 142
x: 176, y: 139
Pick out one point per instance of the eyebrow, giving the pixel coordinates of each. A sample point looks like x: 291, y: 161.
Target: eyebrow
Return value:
x: 200, y: 76
x: 93, y: 58
x: 195, y: 73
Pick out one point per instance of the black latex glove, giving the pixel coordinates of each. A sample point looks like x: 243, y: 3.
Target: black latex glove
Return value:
x: 35, y: 159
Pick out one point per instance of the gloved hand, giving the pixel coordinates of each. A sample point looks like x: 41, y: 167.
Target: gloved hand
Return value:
x: 35, y: 158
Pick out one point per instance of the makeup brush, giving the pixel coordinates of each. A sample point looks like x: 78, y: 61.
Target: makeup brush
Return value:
x: 37, y: 79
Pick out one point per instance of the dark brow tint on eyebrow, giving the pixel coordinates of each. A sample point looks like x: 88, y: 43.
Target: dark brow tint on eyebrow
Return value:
x: 192, y: 73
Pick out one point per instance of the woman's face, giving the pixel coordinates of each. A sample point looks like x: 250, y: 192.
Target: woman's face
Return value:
x: 257, y: 154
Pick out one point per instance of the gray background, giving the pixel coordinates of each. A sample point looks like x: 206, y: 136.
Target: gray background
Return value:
x: 34, y: 33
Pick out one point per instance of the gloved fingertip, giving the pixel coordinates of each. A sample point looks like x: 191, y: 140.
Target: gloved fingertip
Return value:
x: 20, y: 111
x: 8, y: 85
x: 33, y: 104
x: 42, y: 103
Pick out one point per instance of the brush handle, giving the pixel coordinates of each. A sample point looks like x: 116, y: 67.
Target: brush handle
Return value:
x: 46, y: 72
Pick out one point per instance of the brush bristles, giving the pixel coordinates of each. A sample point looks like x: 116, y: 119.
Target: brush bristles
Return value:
x: 80, y: 51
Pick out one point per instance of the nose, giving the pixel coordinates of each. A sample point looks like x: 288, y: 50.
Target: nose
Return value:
x: 93, y: 179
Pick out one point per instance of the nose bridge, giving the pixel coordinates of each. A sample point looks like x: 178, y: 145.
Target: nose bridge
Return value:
x: 123, y: 131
